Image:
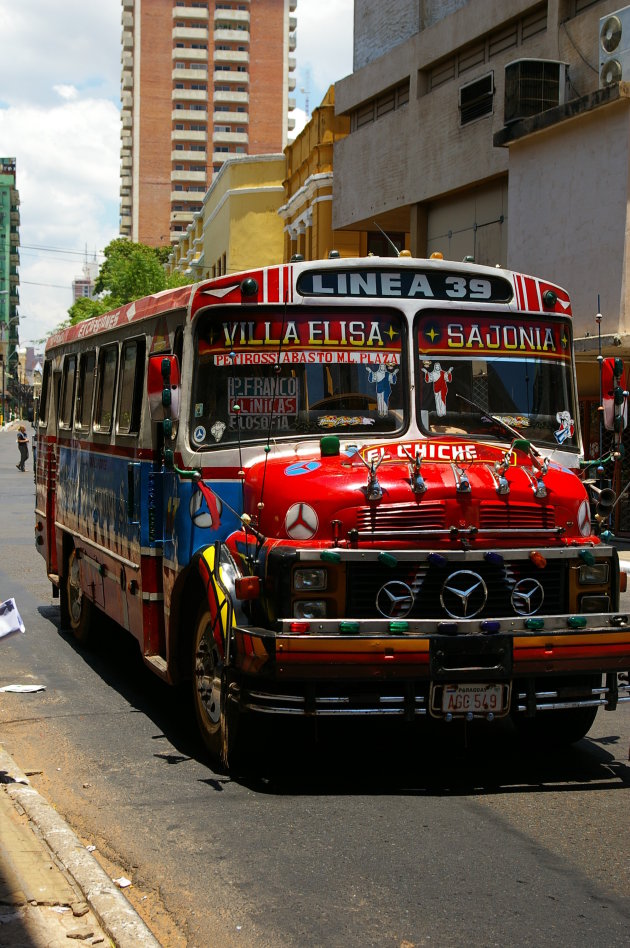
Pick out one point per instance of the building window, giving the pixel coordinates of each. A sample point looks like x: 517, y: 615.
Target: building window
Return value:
x: 475, y: 54
x: 476, y: 99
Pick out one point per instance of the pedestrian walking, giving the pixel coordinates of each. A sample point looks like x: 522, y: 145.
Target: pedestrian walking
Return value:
x: 22, y: 440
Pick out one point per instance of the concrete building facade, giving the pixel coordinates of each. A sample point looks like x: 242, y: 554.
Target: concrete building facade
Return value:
x: 202, y: 82
x: 501, y: 131
x: 307, y: 210
x: 238, y: 226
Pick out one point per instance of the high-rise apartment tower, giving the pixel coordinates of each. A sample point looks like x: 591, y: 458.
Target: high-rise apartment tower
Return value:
x: 201, y: 82
x: 9, y: 281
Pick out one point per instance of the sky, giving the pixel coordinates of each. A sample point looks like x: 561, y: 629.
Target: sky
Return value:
x: 60, y: 120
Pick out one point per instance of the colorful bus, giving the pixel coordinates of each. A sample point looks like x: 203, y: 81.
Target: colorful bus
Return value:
x: 339, y: 487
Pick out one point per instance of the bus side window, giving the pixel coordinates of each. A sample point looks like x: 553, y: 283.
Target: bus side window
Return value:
x: 44, y: 397
x: 131, y: 386
x: 107, y: 365
x: 67, y: 391
x: 85, y: 391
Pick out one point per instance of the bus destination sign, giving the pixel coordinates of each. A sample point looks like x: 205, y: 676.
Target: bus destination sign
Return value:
x: 406, y: 283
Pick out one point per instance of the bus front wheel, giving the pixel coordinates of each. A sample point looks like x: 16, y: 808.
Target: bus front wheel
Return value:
x: 218, y: 719
x: 79, y: 607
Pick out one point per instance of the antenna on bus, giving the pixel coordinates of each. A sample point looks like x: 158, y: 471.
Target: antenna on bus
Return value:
x: 388, y: 239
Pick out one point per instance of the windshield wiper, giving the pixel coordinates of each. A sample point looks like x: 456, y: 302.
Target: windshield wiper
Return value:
x: 523, y: 443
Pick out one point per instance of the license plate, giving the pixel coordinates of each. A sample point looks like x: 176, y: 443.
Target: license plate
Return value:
x: 480, y: 699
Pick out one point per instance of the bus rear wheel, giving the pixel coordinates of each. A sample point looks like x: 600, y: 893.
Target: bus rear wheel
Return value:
x: 79, y: 608
x: 218, y: 719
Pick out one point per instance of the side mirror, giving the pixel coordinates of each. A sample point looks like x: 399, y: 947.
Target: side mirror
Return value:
x: 614, y: 395
x: 163, y: 387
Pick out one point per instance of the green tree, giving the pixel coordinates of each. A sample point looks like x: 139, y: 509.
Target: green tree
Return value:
x: 128, y: 272
x: 85, y: 308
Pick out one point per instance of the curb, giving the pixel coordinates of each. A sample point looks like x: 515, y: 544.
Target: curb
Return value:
x: 119, y: 919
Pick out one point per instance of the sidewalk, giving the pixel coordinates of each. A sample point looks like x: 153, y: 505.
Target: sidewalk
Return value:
x: 52, y: 890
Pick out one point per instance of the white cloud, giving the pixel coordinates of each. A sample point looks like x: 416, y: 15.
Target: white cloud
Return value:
x: 324, y: 47
x: 59, y: 117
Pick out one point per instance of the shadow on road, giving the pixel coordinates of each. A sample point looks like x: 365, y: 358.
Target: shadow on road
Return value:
x: 334, y: 756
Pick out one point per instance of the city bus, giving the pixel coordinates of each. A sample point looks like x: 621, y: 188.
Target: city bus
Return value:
x: 343, y: 487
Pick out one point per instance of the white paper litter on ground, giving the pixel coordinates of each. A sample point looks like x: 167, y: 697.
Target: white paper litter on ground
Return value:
x: 10, y: 619
x: 23, y: 689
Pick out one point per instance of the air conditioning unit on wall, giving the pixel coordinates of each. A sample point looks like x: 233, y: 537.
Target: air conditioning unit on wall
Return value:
x: 614, y: 48
x: 533, y: 86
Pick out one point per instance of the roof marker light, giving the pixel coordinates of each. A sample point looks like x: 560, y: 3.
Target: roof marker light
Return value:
x: 588, y: 557
x: 329, y: 446
x: 349, y: 627
x: 300, y: 628
x: 489, y: 626
x: 249, y: 287
x: 576, y: 622
x: 398, y: 626
x: 534, y: 625
x: 538, y: 559
x: 448, y: 628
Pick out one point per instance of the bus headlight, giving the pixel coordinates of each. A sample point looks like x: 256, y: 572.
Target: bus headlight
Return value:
x: 309, y: 609
x: 595, y: 574
x: 305, y: 579
x: 594, y: 604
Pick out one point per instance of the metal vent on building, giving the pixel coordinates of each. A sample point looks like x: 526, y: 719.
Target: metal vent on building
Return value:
x: 532, y: 86
x: 476, y: 99
x: 614, y: 48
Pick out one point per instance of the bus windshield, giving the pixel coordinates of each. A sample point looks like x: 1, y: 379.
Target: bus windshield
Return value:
x: 314, y: 373
x: 474, y: 371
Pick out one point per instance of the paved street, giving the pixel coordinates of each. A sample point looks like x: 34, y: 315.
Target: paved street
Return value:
x: 369, y: 835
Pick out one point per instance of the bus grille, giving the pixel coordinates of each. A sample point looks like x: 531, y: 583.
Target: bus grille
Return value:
x: 364, y: 580
x: 523, y: 517
x: 387, y: 521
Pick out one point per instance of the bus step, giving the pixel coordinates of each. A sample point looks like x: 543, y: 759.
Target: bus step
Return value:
x: 157, y: 663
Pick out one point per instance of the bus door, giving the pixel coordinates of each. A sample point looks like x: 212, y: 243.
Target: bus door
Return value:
x: 163, y: 396
x: 47, y: 462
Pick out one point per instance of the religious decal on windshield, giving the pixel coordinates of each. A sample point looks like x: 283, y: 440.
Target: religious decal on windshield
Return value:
x: 567, y: 427
x: 383, y: 377
x: 439, y: 379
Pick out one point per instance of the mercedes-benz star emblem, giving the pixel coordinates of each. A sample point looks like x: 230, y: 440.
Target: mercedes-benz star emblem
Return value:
x: 301, y: 522
x: 394, y: 600
x: 527, y: 596
x: 463, y: 594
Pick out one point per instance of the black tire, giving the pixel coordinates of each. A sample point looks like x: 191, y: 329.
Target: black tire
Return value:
x: 549, y: 729
x: 218, y: 719
x: 79, y: 609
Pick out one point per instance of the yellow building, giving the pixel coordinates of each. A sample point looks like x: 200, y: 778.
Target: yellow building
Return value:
x: 307, y: 211
x: 238, y: 226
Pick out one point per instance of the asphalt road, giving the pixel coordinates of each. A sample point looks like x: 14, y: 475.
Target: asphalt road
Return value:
x: 355, y: 836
